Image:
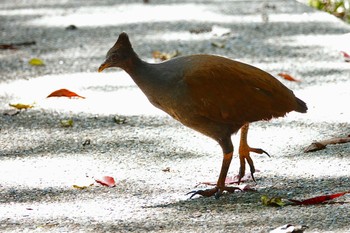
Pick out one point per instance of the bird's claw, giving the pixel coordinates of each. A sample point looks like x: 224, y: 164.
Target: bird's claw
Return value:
x: 205, y: 192
x: 259, y: 151
x: 246, y: 157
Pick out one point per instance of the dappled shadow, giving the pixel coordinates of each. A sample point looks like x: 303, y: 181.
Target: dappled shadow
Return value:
x: 33, y: 195
x: 105, y: 134
x: 82, y: 50
x: 49, y: 136
x: 237, y: 211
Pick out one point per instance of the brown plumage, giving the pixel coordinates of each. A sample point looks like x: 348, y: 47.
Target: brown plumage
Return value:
x: 210, y: 94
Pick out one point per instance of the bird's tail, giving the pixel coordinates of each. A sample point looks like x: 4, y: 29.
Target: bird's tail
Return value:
x: 301, y: 106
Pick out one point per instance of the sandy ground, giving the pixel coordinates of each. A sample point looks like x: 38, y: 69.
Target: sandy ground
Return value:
x: 154, y: 159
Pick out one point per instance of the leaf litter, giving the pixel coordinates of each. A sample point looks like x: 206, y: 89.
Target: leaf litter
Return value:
x: 106, y: 181
x: 64, y: 93
x: 36, y: 62
x: 320, y: 145
x: 279, y: 202
x: 288, y: 77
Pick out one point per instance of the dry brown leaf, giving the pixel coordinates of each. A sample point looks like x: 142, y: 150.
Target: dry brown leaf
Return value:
x: 320, y: 145
x: 11, y: 112
x: 14, y: 45
x: 79, y: 187
x: 165, y: 56
x: 7, y: 46
x: 218, y: 44
x: 201, y: 30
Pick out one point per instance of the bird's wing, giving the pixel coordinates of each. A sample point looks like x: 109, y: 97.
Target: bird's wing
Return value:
x: 228, y: 91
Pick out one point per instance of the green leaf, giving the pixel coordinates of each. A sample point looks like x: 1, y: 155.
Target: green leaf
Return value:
x: 36, y: 62
x: 21, y: 106
x: 119, y: 120
x: 273, y: 201
x: 67, y: 123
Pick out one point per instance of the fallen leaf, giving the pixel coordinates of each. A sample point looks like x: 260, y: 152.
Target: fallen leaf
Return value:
x: 320, y: 145
x: 11, y: 112
x: 106, y: 181
x: 67, y: 123
x: 315, y: 146
x: 79, y: 187
x: 119, y: 120
x: 13, y: 45
x: 346, y: 56
x: 167, y: 169
x: 220, y: 31
x: 246, y: 187
x: 71, y: 27
x: 165, y: 56
x: 36, y: 62
x: 318, y: 199
x: 64, y: 93
x: 273, y: 201
x: 7, y: 46
x: 289, y: 228
x: 288, y: 77
x: 218, y: 44
x: 201, y: 30
x: 21, y: 106
x: 87, y: 142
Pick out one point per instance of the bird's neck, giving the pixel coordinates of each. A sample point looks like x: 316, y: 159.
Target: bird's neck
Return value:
x: 143, y: 73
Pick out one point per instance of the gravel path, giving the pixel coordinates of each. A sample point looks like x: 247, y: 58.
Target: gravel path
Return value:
x: 154, y: 159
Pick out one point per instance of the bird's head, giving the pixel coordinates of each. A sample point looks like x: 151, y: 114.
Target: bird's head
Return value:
x: 119, y: 55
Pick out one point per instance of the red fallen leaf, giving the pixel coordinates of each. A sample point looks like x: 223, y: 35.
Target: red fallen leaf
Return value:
x: 106, y: 181
x: 346, y: 56
x: 318, y: 200
x: 288, y: 77
x: 64, y: 93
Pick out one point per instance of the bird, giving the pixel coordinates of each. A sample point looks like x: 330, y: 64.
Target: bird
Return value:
x: 213, y: 95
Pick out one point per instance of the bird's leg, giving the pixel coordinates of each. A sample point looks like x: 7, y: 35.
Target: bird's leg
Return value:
x: 244, y: 153
x: 220, y: 185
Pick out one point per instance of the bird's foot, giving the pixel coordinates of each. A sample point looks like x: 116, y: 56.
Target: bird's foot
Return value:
x: 216, y: 192
x: 244, y: 155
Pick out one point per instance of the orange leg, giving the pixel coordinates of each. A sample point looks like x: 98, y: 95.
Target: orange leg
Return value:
x: 244, y: 153
x: 220, y: 186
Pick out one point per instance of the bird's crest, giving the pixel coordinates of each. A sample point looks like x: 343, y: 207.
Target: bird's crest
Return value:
x: 122, y: 43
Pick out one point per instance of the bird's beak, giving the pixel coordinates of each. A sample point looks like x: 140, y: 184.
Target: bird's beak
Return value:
x: 103, y: 66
